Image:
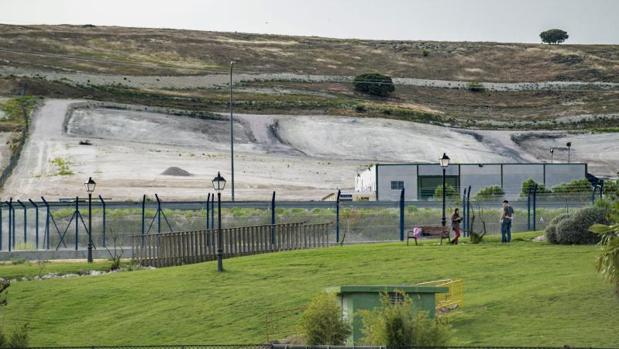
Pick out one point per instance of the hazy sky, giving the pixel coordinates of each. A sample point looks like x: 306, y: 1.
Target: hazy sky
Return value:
x: 586, y: 21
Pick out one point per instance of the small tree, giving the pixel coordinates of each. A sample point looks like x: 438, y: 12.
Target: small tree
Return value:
x: 489, y: 193
x: 553, y: 36
x: 322, y: 322
x: 450, y: 193
x: 374, y: 84
x: 396, y: 325
x: 530, y: 184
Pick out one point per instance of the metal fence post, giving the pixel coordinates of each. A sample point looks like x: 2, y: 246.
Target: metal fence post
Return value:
x: 337, y: 216
x: 143, y: 213
x: 273, y: 219
x: 402, y: 215
x: 464, y: 216
x: 25, y: 222
x: 77, y: 226
x: 208, y: 200
x: 103, y: 207
x: 158, y: 214
x: 213, y: 211
x: 529, y: 209
x: 36, y: 224
x: 47, y: 217
x: 535, y: 207
x: 468, y: 212
x: 10, y: 223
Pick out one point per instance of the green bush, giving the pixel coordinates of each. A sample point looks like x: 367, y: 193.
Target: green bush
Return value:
x: 489, y: 193
x: 450, y: 193
x: 575, y: 186
x: 17, y: 340
x: 530, y: 183
x: 575, y: 229
x: 475, y: 86
x: 322, y: 322
x: 395, y: 325
x: 551, y: 230
x: 374, y: 84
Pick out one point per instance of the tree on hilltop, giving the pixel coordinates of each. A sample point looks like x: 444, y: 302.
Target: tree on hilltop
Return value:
x: 553, y: 36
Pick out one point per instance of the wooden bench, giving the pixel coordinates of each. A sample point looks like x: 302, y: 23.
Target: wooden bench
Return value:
x: 429, y: 231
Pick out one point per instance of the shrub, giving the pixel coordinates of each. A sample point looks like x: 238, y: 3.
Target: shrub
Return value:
x: 491, y: 192
x: 575, y: 186
x: 575, y: 229
x: 322, y: 322
x: 374, y: 84
x: 360, y: 108
x: 530, y: 183
x: 551, y: 230
x: 475, y: 86
x: 395, y: 325
x: 553, y: 36
x: 450, y: 193
x: 19, y: 338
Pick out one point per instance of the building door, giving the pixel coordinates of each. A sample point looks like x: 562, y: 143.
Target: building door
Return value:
x: 426, y: 185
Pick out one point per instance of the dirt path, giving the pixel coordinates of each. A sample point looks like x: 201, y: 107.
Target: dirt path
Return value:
x: 213, y: 80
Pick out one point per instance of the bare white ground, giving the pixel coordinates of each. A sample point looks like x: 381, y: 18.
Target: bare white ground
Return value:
x: 300, y: 157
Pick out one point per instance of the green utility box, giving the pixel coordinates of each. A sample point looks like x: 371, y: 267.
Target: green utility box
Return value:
x: 355, y: 298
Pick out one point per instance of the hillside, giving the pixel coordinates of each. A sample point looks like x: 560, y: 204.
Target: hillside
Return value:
x: 142, y: 51
x: 542, y: 295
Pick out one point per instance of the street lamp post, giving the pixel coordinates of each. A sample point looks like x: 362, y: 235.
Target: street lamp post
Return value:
x: 218, y: 184
x: 569, y: 155
x: 444, y: 161
x: 90, y: 188
x: 231, y: 134
x: 552, y: 155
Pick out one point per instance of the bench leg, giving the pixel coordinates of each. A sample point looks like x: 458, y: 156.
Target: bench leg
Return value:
x: 407, y: 239
x: 415, y: 241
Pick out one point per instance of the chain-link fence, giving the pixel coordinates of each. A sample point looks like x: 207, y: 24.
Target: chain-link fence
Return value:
x: 46, y: 225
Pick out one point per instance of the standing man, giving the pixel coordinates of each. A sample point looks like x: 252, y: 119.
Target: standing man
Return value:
x: 506, y: 222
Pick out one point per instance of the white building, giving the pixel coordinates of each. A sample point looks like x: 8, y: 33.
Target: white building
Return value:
x: 385, y: 181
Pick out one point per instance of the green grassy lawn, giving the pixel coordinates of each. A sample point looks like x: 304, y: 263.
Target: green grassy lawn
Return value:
x: 527, y: 293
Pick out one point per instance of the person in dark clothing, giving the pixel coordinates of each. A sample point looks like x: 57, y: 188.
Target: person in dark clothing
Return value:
x: 455, y: 225
x: 506, y: 222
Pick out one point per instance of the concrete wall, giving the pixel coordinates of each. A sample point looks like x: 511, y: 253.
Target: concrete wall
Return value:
x: 563, y: 173
x: 515, y: 174
x: 388, y: 173
x: 479, y: 177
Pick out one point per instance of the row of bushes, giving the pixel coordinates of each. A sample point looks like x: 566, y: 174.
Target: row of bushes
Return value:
x: 578, y: 186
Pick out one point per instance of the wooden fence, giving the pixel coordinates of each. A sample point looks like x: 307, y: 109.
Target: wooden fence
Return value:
x: 177, y: 248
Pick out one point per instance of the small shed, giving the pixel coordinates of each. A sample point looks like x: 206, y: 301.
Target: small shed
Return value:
x: 352, y: 299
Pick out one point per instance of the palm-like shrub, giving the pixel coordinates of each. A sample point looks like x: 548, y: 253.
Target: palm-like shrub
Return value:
x: 396, y: 325
x: 608, y: 261
x: 322, y: 322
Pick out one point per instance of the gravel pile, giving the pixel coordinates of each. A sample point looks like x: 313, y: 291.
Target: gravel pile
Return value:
x: 176, y: 171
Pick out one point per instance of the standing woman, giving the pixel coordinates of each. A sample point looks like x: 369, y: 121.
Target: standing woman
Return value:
x: 455, y: 225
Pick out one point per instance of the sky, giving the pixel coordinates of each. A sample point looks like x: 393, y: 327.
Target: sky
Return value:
x: 586, y: 21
